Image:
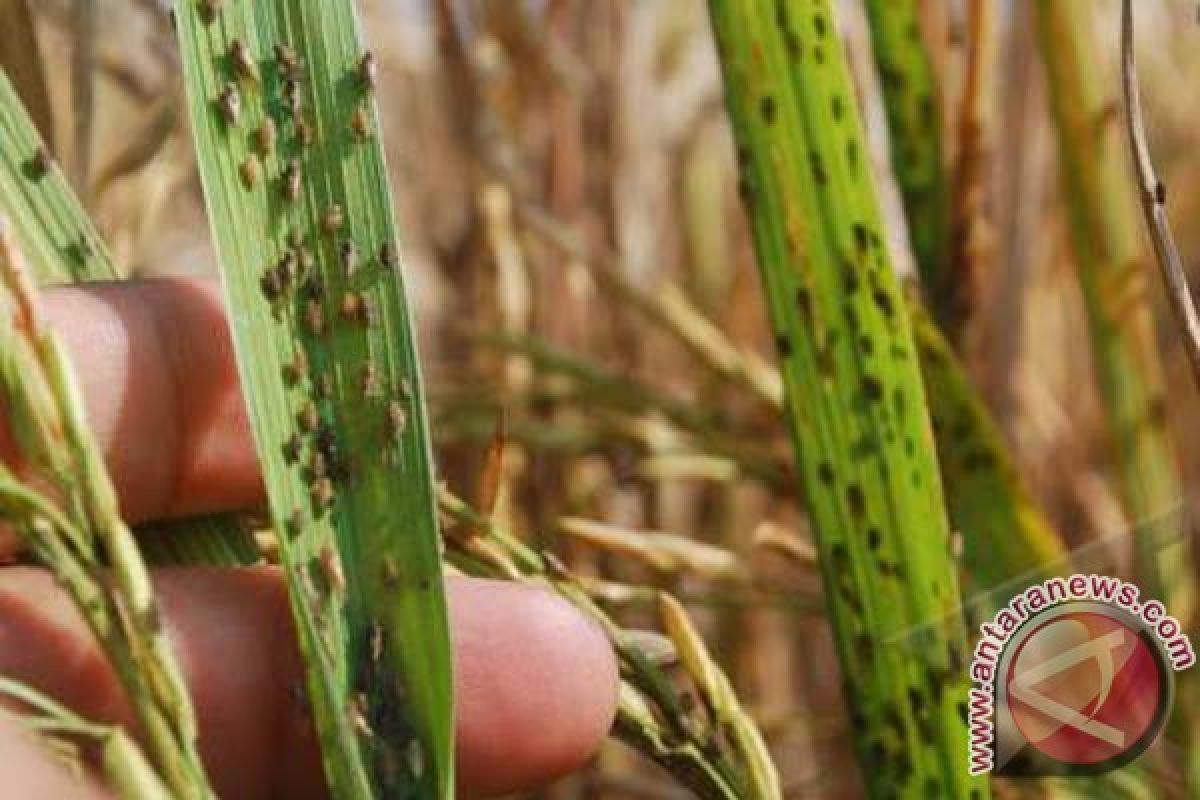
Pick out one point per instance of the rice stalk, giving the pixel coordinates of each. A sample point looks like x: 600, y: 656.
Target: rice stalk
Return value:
x: 665, y: 552
x: 652, y: 715
x: 1153, y: 196
x: 971, y: 231
x: 718, y: 695
x: 121, y: 762
x: 1183, y: 307
x: 281, y: 101
x: 855, y: 403
x: 1112, y: 274
x: 74, y: 530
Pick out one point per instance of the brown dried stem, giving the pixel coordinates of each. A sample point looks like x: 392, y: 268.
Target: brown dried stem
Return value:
x: 1153, y: 197
x: 972, y: 235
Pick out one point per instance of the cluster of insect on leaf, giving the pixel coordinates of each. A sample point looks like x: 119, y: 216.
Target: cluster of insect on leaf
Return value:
x: 333, y: 353
x: 294, y: 275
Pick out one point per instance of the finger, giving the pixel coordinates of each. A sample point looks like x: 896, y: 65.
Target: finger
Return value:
x: 535, y: 682
x: 31, y: 773
x: 156, y: 368
x: 531, y: 671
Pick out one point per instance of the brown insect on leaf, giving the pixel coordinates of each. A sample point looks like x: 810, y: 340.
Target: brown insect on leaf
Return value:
x: 387, y: 256
x: 352, y: 305
x: 229, y: 102
x: 360, y: 123
x: 249, y: 170
x: 297, y: 369
x: 314, y: 317
x: 371, y: 385
x: 368, y: 71
x: 291, y: 448
x: 331, y: 566
x: 291, y: 180
x: 397, y: 419
x: 348, y: 258
x: 292, y: 97
x: 307, y: 417
x: 333, y: 218
x: 209, y: 9
x: 289, y: 63
x: 243, y: 63
x: 266, y: 136
x: 271, y: 285
x: 321, y: 493
x: 39, y: 165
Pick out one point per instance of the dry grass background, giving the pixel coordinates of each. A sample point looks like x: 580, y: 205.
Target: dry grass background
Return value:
x: 515, y: 128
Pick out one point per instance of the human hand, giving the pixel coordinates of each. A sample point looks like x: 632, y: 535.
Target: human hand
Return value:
x: 535, y: 681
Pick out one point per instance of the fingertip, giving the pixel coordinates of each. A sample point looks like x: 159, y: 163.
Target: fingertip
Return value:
x: 536, y: 680
x: 157, y: 372
x: 231, y: 634
x: 31, y: 773
x: 536, y: 684
x: 117, y: 356
x: 45, y: 642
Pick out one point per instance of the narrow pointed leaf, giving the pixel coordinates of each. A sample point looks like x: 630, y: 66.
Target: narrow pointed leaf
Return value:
x: 1004, y: 533
x: 281, y: 104
x: 855, y: 401
x: 52, y: 228
x: 910, y: 100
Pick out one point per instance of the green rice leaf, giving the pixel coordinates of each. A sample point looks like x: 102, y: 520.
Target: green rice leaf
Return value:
x: 280, y: 95
x: 53, y: 230
x: 855, y: 401
x: 1005, y: 535
x: 914, y: 119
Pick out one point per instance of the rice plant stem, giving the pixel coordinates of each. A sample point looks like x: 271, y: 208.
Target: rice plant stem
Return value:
x: 85, y: 544
x: 1112, y: 274
x: 651, y: 715
x: 1154, y: 202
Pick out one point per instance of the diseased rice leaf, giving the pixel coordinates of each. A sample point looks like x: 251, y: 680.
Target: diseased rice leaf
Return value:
x: 855, y: 400
x: 280, y: 95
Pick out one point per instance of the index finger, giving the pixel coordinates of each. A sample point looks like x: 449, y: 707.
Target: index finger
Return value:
x: 156, y: 367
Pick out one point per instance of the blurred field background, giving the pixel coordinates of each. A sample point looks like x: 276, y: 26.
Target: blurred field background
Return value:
x: 583, y: 272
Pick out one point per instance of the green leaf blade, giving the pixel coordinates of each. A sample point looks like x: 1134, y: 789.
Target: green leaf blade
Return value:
x: 362, y: 552
x: 855, y: 401
x: 910, y: 101
x: 51, y: 226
